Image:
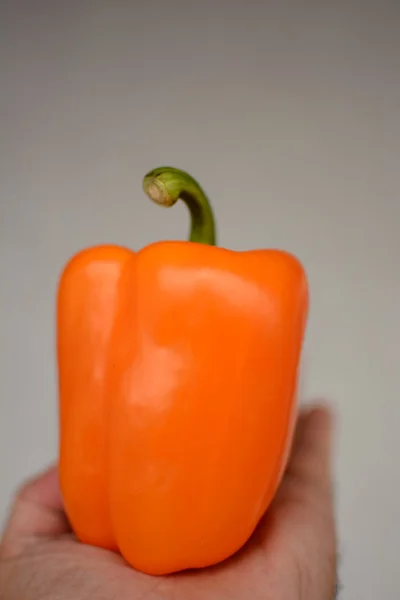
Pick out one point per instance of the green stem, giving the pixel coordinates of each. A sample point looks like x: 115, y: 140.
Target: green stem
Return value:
x: 165, y: 185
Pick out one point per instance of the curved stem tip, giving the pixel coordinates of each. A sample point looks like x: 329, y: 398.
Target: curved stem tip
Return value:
x: 165, y: 185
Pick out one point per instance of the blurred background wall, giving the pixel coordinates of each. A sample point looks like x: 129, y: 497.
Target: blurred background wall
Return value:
x: 288, y: 113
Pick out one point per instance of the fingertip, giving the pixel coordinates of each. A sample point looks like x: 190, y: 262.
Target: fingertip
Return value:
x: 318, y: 418
x: 37, y: 512
x: 43, y: 489
x: 320, y: 410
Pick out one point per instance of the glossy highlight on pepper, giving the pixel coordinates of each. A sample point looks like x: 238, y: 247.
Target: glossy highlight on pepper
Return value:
x: 178, y: 368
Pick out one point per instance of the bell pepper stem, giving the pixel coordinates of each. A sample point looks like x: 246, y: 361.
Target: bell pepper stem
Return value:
x: 165, y: 185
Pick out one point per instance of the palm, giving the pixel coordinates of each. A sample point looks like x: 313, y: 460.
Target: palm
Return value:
x: 291, y: 553
x: 97, y: 573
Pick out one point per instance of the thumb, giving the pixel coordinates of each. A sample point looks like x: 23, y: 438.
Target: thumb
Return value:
x: 310, y: 467
x: 37, y: 513
x: 300, y: 527
x: 304, y: 502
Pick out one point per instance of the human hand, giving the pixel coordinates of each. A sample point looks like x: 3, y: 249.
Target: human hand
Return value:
x: 291, y: 556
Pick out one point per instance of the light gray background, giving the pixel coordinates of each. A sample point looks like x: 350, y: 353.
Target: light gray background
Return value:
x: 289, y: 116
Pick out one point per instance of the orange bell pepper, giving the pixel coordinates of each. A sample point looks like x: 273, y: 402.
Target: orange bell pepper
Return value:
x: 178, y: 373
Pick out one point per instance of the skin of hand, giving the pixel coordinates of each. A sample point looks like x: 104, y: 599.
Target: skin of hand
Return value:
x: 291, y: 555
